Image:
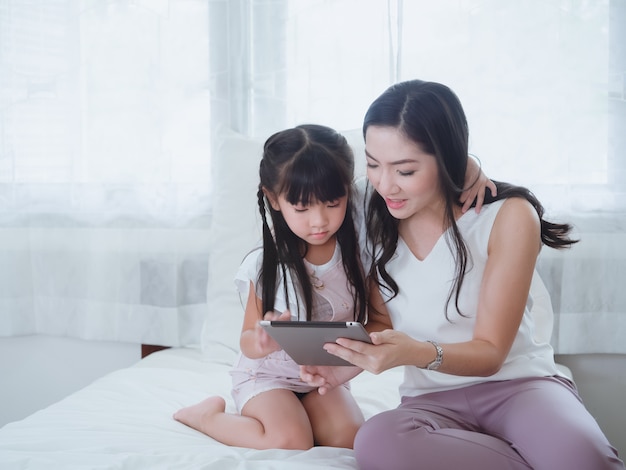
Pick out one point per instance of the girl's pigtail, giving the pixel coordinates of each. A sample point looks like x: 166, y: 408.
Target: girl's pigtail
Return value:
x: 267, y: 275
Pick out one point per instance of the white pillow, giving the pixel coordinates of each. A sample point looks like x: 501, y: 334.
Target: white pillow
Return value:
x: 235, y: 230
x: 355, y: 140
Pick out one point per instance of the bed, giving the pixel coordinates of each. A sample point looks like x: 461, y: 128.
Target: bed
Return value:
x: 124, y: 421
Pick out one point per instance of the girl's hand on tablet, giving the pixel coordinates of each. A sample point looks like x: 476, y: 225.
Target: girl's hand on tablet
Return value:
x: 265, y: 343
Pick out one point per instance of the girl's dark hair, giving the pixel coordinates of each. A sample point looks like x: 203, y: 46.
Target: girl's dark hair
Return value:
x: 430, y: 114
x: 304, y: 164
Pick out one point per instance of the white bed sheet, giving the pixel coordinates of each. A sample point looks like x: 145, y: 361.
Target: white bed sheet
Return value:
x: 124, y: 421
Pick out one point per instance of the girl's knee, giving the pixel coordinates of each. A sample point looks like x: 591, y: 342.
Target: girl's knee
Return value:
x: 290, y: 436
x: 291, y: 441
x: 341, y: 437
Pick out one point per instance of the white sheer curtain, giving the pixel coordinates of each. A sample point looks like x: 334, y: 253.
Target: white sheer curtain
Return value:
x: 104, y: 168
x: 111, y: 111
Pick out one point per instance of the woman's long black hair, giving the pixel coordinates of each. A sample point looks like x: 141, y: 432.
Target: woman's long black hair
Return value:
x: 304, y: 164
x: 431, y: 115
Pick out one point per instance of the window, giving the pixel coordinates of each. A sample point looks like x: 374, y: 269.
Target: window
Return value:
x: 105, y: 109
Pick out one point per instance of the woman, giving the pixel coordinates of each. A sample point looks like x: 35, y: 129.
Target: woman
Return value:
x: 450, y: 302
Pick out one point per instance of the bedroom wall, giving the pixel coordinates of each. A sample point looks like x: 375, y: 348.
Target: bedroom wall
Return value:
x: 601, y: 382
x: 37, y: 371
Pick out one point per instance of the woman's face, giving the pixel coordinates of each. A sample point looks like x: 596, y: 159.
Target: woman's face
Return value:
x: 406, y: 177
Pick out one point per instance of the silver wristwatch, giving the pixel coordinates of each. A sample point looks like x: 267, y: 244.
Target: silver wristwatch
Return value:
x: 439, y: 359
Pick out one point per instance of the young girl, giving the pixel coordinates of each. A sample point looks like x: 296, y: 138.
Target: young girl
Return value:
x: 309, y: 265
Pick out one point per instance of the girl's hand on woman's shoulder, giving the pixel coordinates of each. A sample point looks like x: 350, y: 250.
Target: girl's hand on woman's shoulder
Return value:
x: 476, y: 184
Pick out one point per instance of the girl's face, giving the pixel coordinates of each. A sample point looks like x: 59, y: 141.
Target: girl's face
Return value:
x: 315, y: 223
x: 406, y: 177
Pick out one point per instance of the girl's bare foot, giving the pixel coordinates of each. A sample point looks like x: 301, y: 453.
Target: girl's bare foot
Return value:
x: 197, y: 416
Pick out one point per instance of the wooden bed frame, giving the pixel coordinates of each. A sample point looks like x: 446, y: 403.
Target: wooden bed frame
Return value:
x: 147, y: 349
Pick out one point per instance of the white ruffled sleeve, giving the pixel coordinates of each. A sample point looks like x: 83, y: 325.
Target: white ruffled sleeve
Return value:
x: 249, y: 271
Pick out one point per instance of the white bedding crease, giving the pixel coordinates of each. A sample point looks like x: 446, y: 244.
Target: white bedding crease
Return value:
x: 124, y: 421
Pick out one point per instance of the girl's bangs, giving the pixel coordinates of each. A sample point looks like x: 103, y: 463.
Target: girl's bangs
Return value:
x: 314, y: 177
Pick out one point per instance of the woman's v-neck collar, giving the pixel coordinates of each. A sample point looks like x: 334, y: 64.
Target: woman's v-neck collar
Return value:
x: 462, y: 220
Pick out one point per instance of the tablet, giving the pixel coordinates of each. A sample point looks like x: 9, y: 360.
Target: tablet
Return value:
x: 304, y: 340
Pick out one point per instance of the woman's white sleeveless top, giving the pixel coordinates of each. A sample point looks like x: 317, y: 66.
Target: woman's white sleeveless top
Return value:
x: 418, y: 309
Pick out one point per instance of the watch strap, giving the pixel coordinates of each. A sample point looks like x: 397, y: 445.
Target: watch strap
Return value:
x: 439, y: 359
